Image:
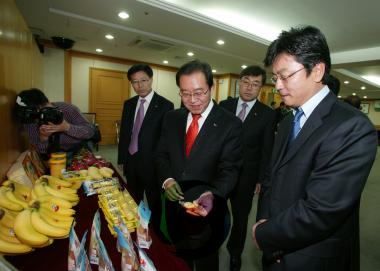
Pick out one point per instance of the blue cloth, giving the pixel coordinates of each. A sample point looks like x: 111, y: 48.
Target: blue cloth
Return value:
x: 296, y: 124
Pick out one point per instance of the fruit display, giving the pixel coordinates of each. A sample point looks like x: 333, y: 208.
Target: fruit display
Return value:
x: 33, y: 217
x: 85, y: 159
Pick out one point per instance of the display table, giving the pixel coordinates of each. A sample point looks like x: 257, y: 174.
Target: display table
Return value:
x: 54, y: 257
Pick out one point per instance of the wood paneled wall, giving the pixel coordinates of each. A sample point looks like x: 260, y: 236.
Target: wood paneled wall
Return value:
x: 20, y: 68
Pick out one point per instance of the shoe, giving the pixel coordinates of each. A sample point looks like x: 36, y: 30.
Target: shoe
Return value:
x: 235, y: 263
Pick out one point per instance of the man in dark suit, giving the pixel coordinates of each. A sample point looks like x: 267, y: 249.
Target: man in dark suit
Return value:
x: 198, y: 159
x: 139, y: 134
x: 309, y: 207
x: 259, y: 123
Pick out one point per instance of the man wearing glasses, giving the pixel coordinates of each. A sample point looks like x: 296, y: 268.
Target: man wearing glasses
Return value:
x: 309, y: 205
x: 259, y: 123
x: 198, y: 161
x: 139, y: 134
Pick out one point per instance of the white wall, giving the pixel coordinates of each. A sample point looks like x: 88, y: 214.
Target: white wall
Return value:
x: 53, y: 76
x: 223, y: 88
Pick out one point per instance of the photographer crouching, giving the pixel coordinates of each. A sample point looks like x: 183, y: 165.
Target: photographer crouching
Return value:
x: 52, y: 126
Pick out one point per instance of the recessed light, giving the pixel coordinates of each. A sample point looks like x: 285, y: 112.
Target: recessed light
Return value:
x: 354, y: 93
x: 339, y: 96
x: 190, y: 53
x: 220, y: 42
x: 363, y: 87
x: 244, y: 66
x: 346, y: 82
x: 123, y: 15
x: 365, y: 97
x: 99, y: 50
x: 109, y: 37
x: 214, y: 71
x: 165, y: 62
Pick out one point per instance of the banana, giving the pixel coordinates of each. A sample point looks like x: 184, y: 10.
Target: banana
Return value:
x: 56, y: 222
x: 93, y: 172
x: 11, y: 196
x: 7, y: 203
x: 106, y: 172
x: 39, y: 190
x: 76, y: 184
x: 45, y: 228
x: 44, y: 212
x: 55, y: 181
x: 57, y: 209
x: 58, y: 201
x: 56, y: 193
x: 66, y: 190
x: 6, y: 219
x: 13, y: 248
x: 21, y: 191
x: 48, y: 243
x: 25, y: 231
x: 9, y: 238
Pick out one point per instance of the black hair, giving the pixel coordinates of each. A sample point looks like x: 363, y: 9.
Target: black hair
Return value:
x: 353, y: 100
x: 334, y: 84
x: 254, y: 71
x: 196, y: 66
x: 306, y: 43
x: 33, y: 97
x: 138, y: 68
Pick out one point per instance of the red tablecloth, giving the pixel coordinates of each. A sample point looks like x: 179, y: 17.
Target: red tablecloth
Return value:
x: 54, y: 257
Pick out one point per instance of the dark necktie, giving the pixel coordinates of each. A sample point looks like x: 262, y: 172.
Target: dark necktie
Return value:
x: 133, y: 145
x: 296, y: 124
x: 243, y: 111
x: 192, y: 133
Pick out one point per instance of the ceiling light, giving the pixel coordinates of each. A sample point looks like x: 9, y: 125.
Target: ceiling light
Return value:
x: 220, y: 42
x: 339, y: 96
x: 365, y: 97
x: 244, y: 66
x: 214, y: 71
x: 123, y: 15
x: 99, y: 50
x: 109, y: 37
x: 165, y: 62
x: 354, y: 93
x: 190, y: 53
x: 346, y: 82
x: 372, y: 78
x: 363, y: 87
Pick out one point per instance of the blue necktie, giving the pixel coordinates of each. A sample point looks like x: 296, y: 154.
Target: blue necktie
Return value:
x: 296, y: 124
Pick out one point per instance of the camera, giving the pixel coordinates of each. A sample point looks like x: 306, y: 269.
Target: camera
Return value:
x: 28, y: 114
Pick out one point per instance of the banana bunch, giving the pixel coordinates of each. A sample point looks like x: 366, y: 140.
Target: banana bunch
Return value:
x: 98, y: 174
x: 49, y: 185
x: 9, y: 200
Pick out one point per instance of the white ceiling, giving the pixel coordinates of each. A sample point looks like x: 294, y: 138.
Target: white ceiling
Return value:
x: 167, y: 30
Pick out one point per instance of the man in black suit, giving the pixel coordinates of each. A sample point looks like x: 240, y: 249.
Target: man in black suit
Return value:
x: 309, y: 206
x: 139, y: 134
x: 259, y: 122
x: 198, y: 159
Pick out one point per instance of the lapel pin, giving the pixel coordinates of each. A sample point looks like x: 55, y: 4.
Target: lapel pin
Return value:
x: 215, y: 125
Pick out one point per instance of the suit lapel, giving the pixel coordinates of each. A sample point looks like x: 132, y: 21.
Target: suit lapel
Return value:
x: 312, y: 123
x: 152, y: 108
x: 253, y: 113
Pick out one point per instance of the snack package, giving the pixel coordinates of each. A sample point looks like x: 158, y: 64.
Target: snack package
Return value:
x: 83, y: 262
x: 95, y: 234
x: 105, y: 263
x: 129, y: 261
x: 74, y: 246
x: 146, y: 264
x: 143, y: 237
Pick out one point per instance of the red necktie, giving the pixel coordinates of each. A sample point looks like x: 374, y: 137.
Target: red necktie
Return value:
x: 192, y: 133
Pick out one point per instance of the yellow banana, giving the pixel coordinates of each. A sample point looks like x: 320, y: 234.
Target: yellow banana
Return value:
x: 13, y: 248
x: 56, y: 193
x: 45, y: 228
x: 56, y: 222
x: 58, y: 201
x: 9, y: 238
x: 25, y: 231
x: 7, y: 203
x: 62, y: 189
x: 106, y: 172
x: 48, y: 243
x: 21, y: 191
x: 47, y: 212
x: 76, y: 184
x: 56, y: 181
x: 94, y: 173
x: 39, y: 190
x: 57, y: 209
x: 11, y: 196
x: 6, y: 219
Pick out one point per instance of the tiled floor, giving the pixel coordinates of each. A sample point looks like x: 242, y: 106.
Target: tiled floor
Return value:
x: 369, y: 223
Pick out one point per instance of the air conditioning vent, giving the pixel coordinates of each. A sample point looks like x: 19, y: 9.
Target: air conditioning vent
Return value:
x: 155, y: 45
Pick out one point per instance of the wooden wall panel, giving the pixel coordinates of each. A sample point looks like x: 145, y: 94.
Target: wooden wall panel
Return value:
x: 20, y: 68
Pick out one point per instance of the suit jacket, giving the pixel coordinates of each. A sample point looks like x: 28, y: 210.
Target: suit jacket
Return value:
x: 215, y: 157
x: 149, y: 132
x: 258, y: 136
x: 312, y: 193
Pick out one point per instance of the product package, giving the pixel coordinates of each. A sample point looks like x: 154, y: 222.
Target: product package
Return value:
x: 143, y: 236
x: 129, y: 260
x: 95, y: 235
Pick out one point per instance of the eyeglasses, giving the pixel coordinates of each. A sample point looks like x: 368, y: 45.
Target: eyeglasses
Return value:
x: 196, y: 94
x: 283, y: 78
x: 140, y: 82
x: 246, y: 83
